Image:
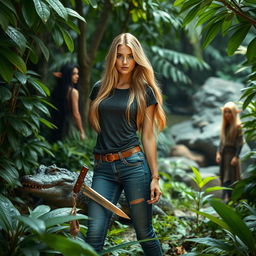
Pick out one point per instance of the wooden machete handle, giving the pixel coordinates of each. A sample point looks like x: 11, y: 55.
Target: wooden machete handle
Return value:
x: 80, y: 179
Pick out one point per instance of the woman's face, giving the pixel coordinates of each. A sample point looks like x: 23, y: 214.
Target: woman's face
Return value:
x: 125, y: 62
x: 75, y: 75
x: 228, y: 114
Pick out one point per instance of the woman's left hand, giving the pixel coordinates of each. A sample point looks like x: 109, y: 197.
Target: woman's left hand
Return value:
x: 155, y: 192
x: 234, y: 161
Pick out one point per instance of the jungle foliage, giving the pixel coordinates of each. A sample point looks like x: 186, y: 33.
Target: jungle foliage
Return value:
x: 23, y: 96
x: 41, y: 34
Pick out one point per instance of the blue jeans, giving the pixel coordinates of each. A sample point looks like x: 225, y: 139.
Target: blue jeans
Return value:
x: 132, y: 175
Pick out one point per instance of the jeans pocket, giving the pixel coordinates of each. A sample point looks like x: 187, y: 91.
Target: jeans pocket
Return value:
x: 133, y: 160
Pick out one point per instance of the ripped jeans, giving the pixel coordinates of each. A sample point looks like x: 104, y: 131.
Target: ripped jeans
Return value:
x: 132, y: 175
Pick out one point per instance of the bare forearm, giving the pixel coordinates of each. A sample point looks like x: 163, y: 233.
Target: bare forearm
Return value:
x: 78, y: 122
x: 149, y: 145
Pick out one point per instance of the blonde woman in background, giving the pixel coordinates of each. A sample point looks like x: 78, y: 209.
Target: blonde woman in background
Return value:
x: 127, y: 99
x: 231, y: 142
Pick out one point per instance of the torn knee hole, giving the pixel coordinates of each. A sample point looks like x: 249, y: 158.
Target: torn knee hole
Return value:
x: 137, y: 201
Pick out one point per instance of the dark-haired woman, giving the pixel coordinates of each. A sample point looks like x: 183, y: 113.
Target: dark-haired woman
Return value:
x: 66, y: 99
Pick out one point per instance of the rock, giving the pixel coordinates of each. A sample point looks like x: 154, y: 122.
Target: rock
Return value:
x: 176, y: 167
x: 183, y: 151
x: 214, y: 93
x: 201, y: 133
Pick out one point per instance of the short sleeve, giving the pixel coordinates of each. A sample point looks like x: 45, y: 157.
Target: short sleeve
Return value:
x: 94, y: 91
x: 151, y: 98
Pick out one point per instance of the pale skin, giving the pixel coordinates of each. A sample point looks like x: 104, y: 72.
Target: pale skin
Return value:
x: 228, y: 116
x: 125, y: 64
x: 74, y: 101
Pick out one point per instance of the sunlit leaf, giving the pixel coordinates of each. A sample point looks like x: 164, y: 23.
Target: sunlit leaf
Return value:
x: 75, y: 14
x: 59, y: 8
x: 42, y: 10
x: 68, y: 39
x: 17, y: 37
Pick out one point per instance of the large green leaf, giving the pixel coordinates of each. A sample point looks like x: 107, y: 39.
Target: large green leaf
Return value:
x: 237, y: 38
x: 235, y: 223
x: 42, y: 10
x: 67, y: 38
x: 17, y: 37
x: 13, y: 140
x: 62, y: 219
x: 214, y: 219
x: 16, y: 60
x: 7, y: 212
x: 29, y: 13
x: 251, y: 52
x: 57, y: 37
x: 215, y: 243
x: 5, y: 94
x: 42, y: 108
x: 68, y: 246
x: 211, y: 189
x: 42, y: 47
x: 9, y: 5
x: 35, y: 224
x: 59, y: 8
x: 47, y: 123
x: 75, y: 14
x: 93, y: 3
x: 39, y: 86
x: 21, y: 77
x: 212, y: 33
x: 207, y: 15
x: 56, y: 213
x: 206, y: 180
x: 227, y: 23
x: 192, y: 14
x: 198, y: 178
x: 39, y: 211
x: 4, y: 20
x: 19, y: 125
x: 178, y: 2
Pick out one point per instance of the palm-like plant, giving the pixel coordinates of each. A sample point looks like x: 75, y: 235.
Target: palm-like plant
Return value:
x: 40, y: 231
x: 172, y: 64
x: 239, y: 233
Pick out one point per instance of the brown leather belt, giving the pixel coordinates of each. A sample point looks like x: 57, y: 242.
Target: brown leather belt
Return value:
x: 110, y: 157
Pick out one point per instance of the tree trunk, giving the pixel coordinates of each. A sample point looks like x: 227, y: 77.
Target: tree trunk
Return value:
x: 86, y: 57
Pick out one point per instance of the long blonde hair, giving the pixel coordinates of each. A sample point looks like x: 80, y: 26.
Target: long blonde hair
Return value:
x: 142, y: 73
x: 234, y: 123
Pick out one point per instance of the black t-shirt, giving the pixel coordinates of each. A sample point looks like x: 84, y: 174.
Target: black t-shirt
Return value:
x: 116, y: 133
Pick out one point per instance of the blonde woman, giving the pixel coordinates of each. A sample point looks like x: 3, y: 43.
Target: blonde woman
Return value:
x: 231, y: 141
x: 126, y: 100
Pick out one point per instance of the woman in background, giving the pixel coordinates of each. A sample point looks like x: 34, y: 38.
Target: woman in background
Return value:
x: 231, y: 142
x: 125, y: 100
x: 66, y: 98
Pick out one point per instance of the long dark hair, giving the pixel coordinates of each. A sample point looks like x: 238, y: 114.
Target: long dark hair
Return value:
x: 60, y: 101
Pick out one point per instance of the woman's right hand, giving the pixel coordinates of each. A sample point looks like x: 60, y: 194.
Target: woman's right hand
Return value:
x: 82, y: 135
x: 218, y: 157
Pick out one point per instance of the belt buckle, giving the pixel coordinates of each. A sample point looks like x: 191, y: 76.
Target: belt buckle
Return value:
x: 109, y: 157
